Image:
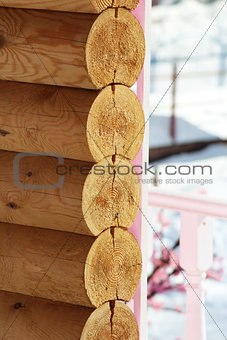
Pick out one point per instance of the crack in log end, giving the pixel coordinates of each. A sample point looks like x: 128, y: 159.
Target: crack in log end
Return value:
x: 113, y: 88
x: 2, y: 41
x: 112, y: 306
x: 112, y: 235
x: 117, y: 215
x: 114, y: 76
x: 114, y: 176
x: 12, y: 205
x: 3, y: 132
x: 117, y: 218
x: 115, y: 61
x: 114, y: 160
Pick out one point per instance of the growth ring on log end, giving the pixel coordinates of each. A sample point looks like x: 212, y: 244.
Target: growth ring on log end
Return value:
x: 115, y: 48
x: 111, y: 195
x: 113, y: 267
x: 100, y: 5
x: 115, y: 123
x: 113, y: 320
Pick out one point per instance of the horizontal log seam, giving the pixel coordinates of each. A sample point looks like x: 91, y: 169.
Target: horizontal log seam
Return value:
x: 29, y: 43
x: 40, y: 114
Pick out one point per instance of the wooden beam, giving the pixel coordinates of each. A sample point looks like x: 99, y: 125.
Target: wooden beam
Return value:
x: 27, y: 318
x: 25, y: 199
x: 71, y: 49
x: 76, y: 123
x: 70, y: 268
x: 56, y: 208
x: 44, y: 47
x: 26, y: 255
x: 85, y: 6
x: 47, y: 320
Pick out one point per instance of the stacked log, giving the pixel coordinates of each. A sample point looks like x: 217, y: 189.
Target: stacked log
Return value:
x: 56, y: 48
x: 44, y: 319
x: 29, y: 187
x: 71, y: 122
x: 85, y: 271
x: 69, y: 128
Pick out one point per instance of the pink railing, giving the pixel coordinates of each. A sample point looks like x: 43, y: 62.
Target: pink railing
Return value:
x: 196, y: 251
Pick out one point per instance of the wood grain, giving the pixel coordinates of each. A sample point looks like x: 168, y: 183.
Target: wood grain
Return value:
x: 56, y: 208
x: 76, y: 123
x: 41, y: 118
x: 85, y: 6
x: 71, y: 49
x: 100, y: 198
x: 47, y: 320
x: 27, y: 254
x: 112, y: 320
x: 116, y: 120
x: 111, y: 198
x: 70, y: 268
x: 44, y: 47
x: 40, y: 318
x: 118, y: 56
x: 113, y: 267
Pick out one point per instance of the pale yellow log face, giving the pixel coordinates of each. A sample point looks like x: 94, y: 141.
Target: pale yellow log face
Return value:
x: 113, y: 267
x: 107, y: 323
x: 115, y: 48
x: 115, y: 123
x: 111, y: 195
x: 100, y: 5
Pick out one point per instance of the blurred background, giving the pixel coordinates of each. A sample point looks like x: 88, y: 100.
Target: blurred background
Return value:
x: 188, y: 126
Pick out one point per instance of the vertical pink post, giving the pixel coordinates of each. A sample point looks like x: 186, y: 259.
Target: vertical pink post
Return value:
x: 195, y: 257
x: 139, y: 230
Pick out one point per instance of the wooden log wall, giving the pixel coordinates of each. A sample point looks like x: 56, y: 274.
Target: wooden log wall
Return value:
x: 69, y: 128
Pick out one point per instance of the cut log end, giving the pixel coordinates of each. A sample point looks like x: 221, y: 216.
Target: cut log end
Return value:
x: 115, y: 123
x: 111, y: 195
x: 113, y: 320
x: 119, y: 54
x: 100, y: 5
x: 113, y: 267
